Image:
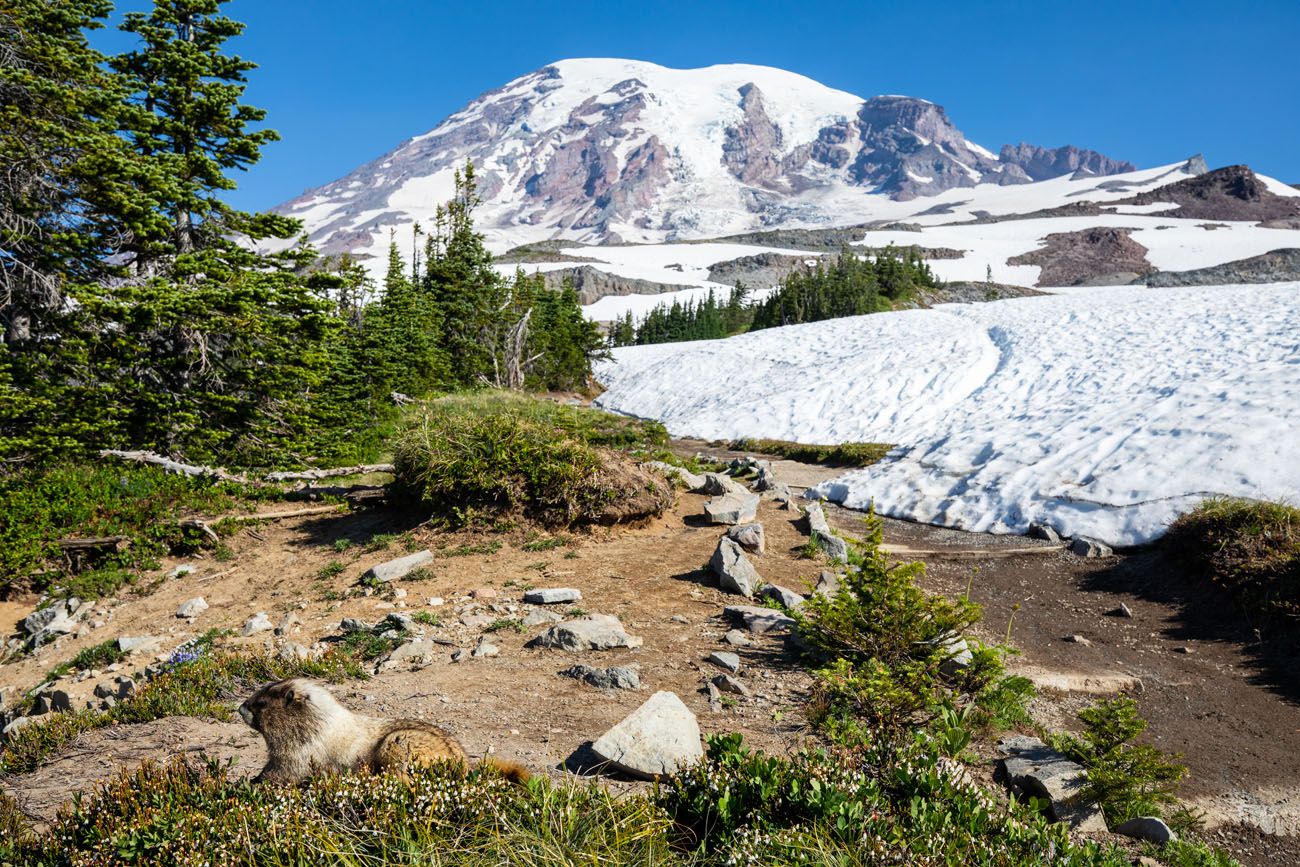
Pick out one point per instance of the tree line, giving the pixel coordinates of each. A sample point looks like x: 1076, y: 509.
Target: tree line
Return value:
x: 135, y: 310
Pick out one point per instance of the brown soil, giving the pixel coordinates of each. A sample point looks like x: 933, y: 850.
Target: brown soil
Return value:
x: 1226, y: 705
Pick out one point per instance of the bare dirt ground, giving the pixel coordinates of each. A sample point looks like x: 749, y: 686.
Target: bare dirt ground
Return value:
x: 1209, y: 691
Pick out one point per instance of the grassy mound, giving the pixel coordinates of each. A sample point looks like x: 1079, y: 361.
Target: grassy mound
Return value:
x: 476, y: 457
x: 841, y: 455
x: 1249, y: 548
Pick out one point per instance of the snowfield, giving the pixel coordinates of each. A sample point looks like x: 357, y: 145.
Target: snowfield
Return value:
x: 1105, y: 414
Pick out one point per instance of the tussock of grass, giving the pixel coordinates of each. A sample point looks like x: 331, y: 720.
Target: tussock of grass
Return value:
x: 842, y: 455
x: 100, y: 655
x: 1249, y: 548
x: 476, y: 458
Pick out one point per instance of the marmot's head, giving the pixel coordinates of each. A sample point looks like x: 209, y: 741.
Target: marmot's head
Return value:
x: 293, y: 710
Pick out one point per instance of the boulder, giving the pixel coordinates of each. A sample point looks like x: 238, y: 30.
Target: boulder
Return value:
x: 719, y: 484
x: 16, y: 725
x: 614, y: 677
x: 1150, y: 829
x: 1033, y: 769
x: 760, y: 620
x: 399, y: 621
x: 552, y: 595
x: 727, y: 683
x: 538, y: 616
x: 138, y: 643
x: 1043, y: 531
x: 1082, y: 546
x: 732, y: 508
x: 484, y: 649
x: 736, y: 638
x: 59, y: 618
x: 735, y: 573
x: 352, y: 624
x: 828, y: 583
x: 957, y: 655
x: 750, y: 537
x: 784, y: 595
x: 192, y: 607
x: 288, y: 623
x: 678, y: 474
x: 820, y: 532
x: 725, y: 659
x: 399, y: 568
x: 259, y: 622
x: 660, y: 737
x: 592, y: 632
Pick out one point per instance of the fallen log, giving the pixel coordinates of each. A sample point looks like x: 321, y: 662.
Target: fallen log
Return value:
x: 170, y: 466
x: 114, y: 543
x: 313, y: 475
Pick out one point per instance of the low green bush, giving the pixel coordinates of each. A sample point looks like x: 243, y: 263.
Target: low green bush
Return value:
x: 1249, y: 548
x: 840, y: 455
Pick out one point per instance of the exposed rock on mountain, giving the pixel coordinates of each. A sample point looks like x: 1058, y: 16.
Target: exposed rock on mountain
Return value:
x: 1099, y: 256
x: 758, y: 271
x: 593, y: 284
x: 1276, y: 267
x: 609, y: 150
x: 1229, y: 193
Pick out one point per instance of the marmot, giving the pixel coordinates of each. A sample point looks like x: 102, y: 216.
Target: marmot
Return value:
x: 308, y: 732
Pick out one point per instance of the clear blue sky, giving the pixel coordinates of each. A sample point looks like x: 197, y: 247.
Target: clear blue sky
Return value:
x: 1150, y: 82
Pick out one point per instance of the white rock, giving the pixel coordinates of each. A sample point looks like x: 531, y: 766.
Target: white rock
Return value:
x: 138, y: 643
x: 552, y: 595
x: 1151, y: 829
x: 259, y: 622
x: 784, y: 595
x: 660, y: 737
x: 593, y: 632
x: 750, y: 537
x: 733, y: 508
x: 399, y: 568
x: 192, y: 607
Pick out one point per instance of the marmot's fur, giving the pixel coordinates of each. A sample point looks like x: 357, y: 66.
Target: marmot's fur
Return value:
x: 308, y: 732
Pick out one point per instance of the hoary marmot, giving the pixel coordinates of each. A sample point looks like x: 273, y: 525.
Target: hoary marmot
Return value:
x: 308, y: 732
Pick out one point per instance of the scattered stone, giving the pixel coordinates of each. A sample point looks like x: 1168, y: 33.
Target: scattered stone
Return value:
x: 59, y: 618
x: 124, y: 686
x: 192, y: 607
x: 104, y: 689
x: 476, y: 620
x: 1077, y: 639
x: 1150, y: 829
x: 399, y: 621
x: 783, y: 595
x: 1082, y: 546
x: 760, y: 620
x: 436, y: 601
x: 614, y: 677
x: 592, y: 632
x: 539, y: 616
x: 735, y: 508
x: 1122, y: 611
x: 660, y: 737
x: 820, y: 532
x: 715, y: 697
x: 352, y: 624
x: 828, y: 583
x: 291, y: 651
x: 1034, y: 769
x: 552, y: 595
x: 750, y: 537
x: 51, y: 701
x: 259, y: 622
x: 1043, y: 531
x: 727, y: 683
x: 483, y: 593
x: 957, y: 655
x: 180, y: 571
x: 1184, y: 649
x: 460, y: 655
x: 484, y: 649
x: 288, y: 623
x: 399, y: 568
x: 736, y: 638
x: 735, y: 573
x: 783, y: 496
x: 719, y: 484
x: 16, y: 725
x: 675, y: 473
x: 680, y: 618
x: 138, y: 643
x: 725, y: 659
x: 399, y: 593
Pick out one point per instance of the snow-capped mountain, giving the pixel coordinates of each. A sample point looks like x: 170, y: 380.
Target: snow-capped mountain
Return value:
x: 604, y: 150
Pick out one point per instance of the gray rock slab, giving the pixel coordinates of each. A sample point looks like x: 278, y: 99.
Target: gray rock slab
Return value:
x: 736, y: 638
x: 138, y: 643
x: 484, y: 649
x: 552, y: 595
x: 660, y: 737
x: 783, y: 595
x: 1151, y: 829
x: 192, y: 607
x: 592, y: 632
x: 259, y: 622
x: 1082, y: 546
x: 750, y: 537
x: 725, y: 659
x: 399, y: 568
x: 735, y: 573
x: 1034, y: 769
x: 734, y: 508
x: 727, y: 683
x: 760, y: 620
x: 539, y: 616
x: 614, y: 677
x: 677, y: 474
x: 1046, y: 532
x: 719, y: 484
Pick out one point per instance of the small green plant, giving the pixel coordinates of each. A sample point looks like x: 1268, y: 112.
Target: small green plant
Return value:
x: 341, y: 545
x: 379, y: 542
x: 332, y: 569
x: 841, y: 455
x: 539, y: 566
x: 511, y: 623
x: 952, y: 729
x: 427, y: 618
x: 576, y: 612
x: 1126, y: 779
x: 223, y: 553
x: 546, y: 543
x: 370, y: 644
x: 1190, y: 853
x: 100, y: 655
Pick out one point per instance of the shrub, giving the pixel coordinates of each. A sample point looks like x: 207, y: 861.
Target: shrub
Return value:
x: 841, y: 455
x: 1125, y: 779
x: 1249, y: 548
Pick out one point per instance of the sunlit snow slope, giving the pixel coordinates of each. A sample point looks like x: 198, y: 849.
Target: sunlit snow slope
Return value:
x: 1104, y: 414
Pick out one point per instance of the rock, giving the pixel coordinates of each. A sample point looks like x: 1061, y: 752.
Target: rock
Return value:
x: 736, y: 638
x: 476, y: 620
x: 484, y: 649
x: 538, y: 616
x: 124, y: 686
x: 820, y: 532
x: 259, y: 622
x: 727, y: 683
x: 957, y: 655
x: 192, y: 608
x: 180, y: 571
x: 51, y: 701
x: 783, y: 595
x: 46, y: 624
x: 292, y: 652
x: 660, y: 737
x: 400, y: 593
x: 104, y: 689
x: 750, y: 537
x: 1031, y: 768
x: 16, y: 725
x: 552, y: 595
x: 460, y: 655
x: 288, y: 623
x: 828, y: 583
x: 732, y: 508
x: 1122, y: 611
x: 483, y: 593
x: 399, y: 568
x: 614, y: 677
x: 1077, y: 639
x: 783, y: 496
x: 1082, y: 546
x: 760, y: 620
x: 719, y: 484
x: 436, y: 601
x: 139, y: 643
x: 735, y: 573
x: 1043, y: 531
x: 680, y: 618
x: 1150, y: 829
x: 679, y: 474
x: 592, y: 632
x: 352, y: 624
x: 725, y: 659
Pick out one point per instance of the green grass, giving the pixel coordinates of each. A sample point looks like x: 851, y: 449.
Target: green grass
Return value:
x: 476, y: 459
x: 1249, y: 548
x: 40, y: 507
x: 545, y: 543
x: 331, y: 569
x: 511, y: 623
x: 428, y: 618
x: 842, y: 455
x: 100, y: 655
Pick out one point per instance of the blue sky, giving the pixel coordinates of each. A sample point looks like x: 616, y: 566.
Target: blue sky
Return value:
x: 1150, y: 82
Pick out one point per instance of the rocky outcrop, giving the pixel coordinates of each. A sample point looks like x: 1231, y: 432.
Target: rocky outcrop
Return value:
x: 1032, y: 769
x: 1040, y: 163
x: 1229, y: 193
x: 1279, y: 266
x: 660, y: 737
x: 592, y: 284
x: 1099, y: 256
x: 760, y: 271
x: 971, y: 292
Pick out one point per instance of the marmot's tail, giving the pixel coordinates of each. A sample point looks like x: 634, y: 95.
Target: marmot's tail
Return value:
x: 512, y: 771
